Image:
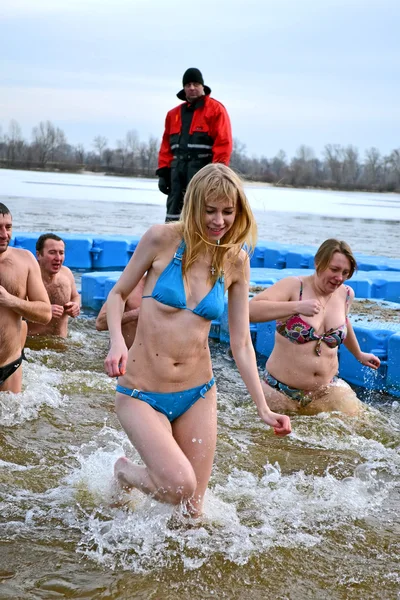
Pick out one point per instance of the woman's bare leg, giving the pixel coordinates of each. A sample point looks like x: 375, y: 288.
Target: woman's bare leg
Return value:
x: 167, y: 474
x: 337, y: 396
x: 279, y: 402
x: 196, y: 433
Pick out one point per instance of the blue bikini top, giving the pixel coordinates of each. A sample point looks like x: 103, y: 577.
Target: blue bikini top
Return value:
x: 169, y: 289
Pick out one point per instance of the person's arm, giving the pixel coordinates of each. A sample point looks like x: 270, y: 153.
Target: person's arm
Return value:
x: 37, y: 307
x: 274, y: 302
x: 141, y: 261
x: 165, y: 155
x: 365, y: 358
x: 222, y: 136
x: 127, y: 317
x: 73, y: 307
x: 101, y: 321
x: 243, y: 350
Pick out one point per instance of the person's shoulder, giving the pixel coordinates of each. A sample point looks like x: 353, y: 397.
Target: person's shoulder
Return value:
x: 293, y: 280
x: 21, y: 255
x: 66, y: 272
x: 235, y: 262
x: 215, y: 103
x: 347, y: 291
x: 162, y: 235
x: 175, y: 109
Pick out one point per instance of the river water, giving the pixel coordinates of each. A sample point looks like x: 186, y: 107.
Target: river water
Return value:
x: 314, y: 515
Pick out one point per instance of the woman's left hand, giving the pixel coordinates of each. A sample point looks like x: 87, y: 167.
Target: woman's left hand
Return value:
x: 280, y: 423
x: 369, y: 360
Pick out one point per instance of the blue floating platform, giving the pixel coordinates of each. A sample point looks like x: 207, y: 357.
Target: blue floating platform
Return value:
x: 77, y: 250
x: 393, y: 365
x: 112, y: 252
x: 373, y: 337
x: 269, y: 255
x: 93, y: 285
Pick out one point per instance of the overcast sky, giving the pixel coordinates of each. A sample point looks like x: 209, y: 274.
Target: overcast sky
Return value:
x: 289, y: 72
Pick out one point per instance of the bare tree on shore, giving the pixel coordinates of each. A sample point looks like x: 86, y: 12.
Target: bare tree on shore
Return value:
x: 46, y: 140
x: 100, y: 143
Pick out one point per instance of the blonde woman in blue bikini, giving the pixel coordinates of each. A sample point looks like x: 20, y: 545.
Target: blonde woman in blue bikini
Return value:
x: 311, y: 316
x: 166, y: 393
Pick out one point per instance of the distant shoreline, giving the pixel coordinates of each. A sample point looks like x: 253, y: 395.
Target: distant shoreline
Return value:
x: 248, y: 182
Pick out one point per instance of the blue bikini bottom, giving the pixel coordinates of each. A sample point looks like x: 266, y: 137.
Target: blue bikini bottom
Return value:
x: 172, y: 405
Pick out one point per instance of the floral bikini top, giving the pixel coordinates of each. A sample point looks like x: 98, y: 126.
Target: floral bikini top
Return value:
x: 298, y: 331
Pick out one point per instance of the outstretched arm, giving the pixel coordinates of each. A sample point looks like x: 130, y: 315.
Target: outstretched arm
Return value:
x: 243, y: 350
x: 351, y: 342
x: 365, y: 358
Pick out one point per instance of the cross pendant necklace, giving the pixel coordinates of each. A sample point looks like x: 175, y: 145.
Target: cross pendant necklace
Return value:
x: 212, y: 268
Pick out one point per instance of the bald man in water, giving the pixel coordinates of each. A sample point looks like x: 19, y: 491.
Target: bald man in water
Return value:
x: 22, y: 296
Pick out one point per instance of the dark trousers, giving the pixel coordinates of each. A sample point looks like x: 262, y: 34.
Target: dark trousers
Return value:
x: 182, y: 172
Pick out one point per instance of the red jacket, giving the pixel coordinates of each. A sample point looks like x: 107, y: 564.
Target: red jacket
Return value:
x: 210, y: 124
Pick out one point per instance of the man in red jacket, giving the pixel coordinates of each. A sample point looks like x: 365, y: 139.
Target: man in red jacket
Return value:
x: 197, y: 132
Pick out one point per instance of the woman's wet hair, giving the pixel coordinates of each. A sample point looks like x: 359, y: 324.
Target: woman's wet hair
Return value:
x: 213, y: 183
x: 326, y: 251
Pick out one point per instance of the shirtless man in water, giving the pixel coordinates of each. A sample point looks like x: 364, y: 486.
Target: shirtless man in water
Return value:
x: 60, y: 285
x: 22, y: 295
x: 130, y: 316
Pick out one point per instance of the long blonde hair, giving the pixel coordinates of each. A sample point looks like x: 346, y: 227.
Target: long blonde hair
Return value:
x: 216, y: 182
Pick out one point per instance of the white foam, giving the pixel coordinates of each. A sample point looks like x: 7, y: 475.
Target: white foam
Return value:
x: 39, y: 390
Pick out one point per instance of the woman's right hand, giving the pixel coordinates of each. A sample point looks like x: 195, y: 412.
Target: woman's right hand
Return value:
x: 116, y: 359
x: 280, y: 423
x: 309, y: 308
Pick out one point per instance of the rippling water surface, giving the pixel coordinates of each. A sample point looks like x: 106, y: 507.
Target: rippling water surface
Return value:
x: 314, y: 515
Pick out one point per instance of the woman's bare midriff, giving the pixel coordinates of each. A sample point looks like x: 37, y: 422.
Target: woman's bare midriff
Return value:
x: 299, y: 366
x: 173, y: 355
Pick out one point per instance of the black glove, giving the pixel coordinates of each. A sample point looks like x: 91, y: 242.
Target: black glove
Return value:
x: 164, y: 186
x: 164, y: 180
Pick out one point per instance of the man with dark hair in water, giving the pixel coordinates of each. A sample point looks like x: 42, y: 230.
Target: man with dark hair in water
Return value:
x: 60, y: 286
x: 22, y: 295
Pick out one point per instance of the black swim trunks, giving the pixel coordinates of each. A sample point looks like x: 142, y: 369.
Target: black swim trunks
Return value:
x: 8, y: 370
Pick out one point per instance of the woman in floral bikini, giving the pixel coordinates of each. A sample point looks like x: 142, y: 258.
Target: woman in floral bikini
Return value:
x: 311, y: 315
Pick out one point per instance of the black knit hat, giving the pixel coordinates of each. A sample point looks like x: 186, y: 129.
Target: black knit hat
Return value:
x: 192, y: 75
